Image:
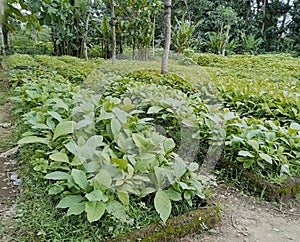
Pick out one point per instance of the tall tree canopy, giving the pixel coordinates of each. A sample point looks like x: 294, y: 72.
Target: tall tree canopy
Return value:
x: 219, y: 26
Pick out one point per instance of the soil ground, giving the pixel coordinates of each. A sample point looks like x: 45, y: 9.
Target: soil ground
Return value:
x: 244, y: 218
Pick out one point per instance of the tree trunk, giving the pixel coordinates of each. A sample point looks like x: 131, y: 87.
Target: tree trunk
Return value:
x: 283, y: 24
x: 165, y: 59
x: 2, y: 46
x: 113, y: 31
x: 264, y: 16
x: 226, y: 39
x: 133, y: 49
x: 35, y: 35
x: 85, y: 49
x: 1, y: 11
x: 5, y: 33
x: 2, y: 49
x: 153, y: 40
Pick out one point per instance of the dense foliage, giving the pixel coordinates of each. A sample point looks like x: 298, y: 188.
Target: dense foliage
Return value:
x: 103, y: 151
x: 221, y: 27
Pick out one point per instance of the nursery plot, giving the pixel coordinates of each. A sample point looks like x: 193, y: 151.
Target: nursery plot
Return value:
x: 102, y: 156
x: 113, y: 152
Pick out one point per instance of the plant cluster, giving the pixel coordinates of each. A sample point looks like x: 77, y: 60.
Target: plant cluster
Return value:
x: 265, y: 137
x: 100, y: 152
x: 71, y: 68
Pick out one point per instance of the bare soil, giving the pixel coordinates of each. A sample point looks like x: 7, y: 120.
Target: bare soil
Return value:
x: 9, y: 183
x: 249, y: 219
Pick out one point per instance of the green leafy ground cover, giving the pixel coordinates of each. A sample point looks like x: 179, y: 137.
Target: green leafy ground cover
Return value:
x: 101, y: 157
x: 101, y: 154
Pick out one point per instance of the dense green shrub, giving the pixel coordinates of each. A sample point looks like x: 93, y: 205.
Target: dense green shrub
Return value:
x: 209, y: 59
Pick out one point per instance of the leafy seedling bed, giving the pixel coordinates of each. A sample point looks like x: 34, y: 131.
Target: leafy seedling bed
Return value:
x: 177, y: 227
x: 254, y: 183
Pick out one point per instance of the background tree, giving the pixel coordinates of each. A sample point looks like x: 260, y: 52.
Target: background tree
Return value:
x: 11, y: 18
x: 165, y: 59
x: 294, y: 27
x: 182, y: 34
x: 79, y: 27
x: 113, y: 31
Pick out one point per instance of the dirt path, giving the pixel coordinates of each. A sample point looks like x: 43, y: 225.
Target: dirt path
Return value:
x: 248, y: 219
x: 9, y: 178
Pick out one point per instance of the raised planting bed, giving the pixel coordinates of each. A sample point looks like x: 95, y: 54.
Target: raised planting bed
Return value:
x: 270, y: 191
x: 176, y: 227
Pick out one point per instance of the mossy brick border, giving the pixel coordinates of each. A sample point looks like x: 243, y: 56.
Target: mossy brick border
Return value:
x: 177, y: 227
x: 270, y: 191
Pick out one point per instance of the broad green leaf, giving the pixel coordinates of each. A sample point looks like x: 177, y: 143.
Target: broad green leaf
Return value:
x: 295, y: 126
x: 81, y: 141
x: 70, y: 200
x: 94, y: 210
x: 188, y: 123
x: 130, y: 169
x: 174, y: 195
x: 95, y: 141
x: 80, y: 179
x: 199, y: 187
x: 254, y: 144
x: 140, y: 141
x: 162, y: 205
x: 92, y: 166
x: 63, y: 128
x: 121, y: 115
x: 59, y: 157
x: 56, y: 189
x: 122, y: 163
x: 76, y: 161
x: 245, y: 153
x: 117, y: 210
x: 252, y: 133
x: 57, y: 175
x: 169, y: 145
x: 115, y: 126
x: 128, y: 104
x: 247, y: 163
x: 72, y: 147
x: 185, y: 186
x: 266, y: 157
x: 55, y: 115
x: 105, y: 116
x: 271, y: 136
x: 123, y: 197
x: 229, y: 116
x: 76, y: 209
x: 188, y: 197
x: 193, y: 166
x: 84, y: 123
x: 104, y: 178
x: 96, y: 195
x: 147, y: 190
x: 179, y: 167
x: 33, y: 139
x: 160, y: 175
x: 154, y: 109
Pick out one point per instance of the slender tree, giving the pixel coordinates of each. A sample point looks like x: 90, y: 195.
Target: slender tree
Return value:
x: 113, y: 31
x: 1, y: 33
x: 165, y: 59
